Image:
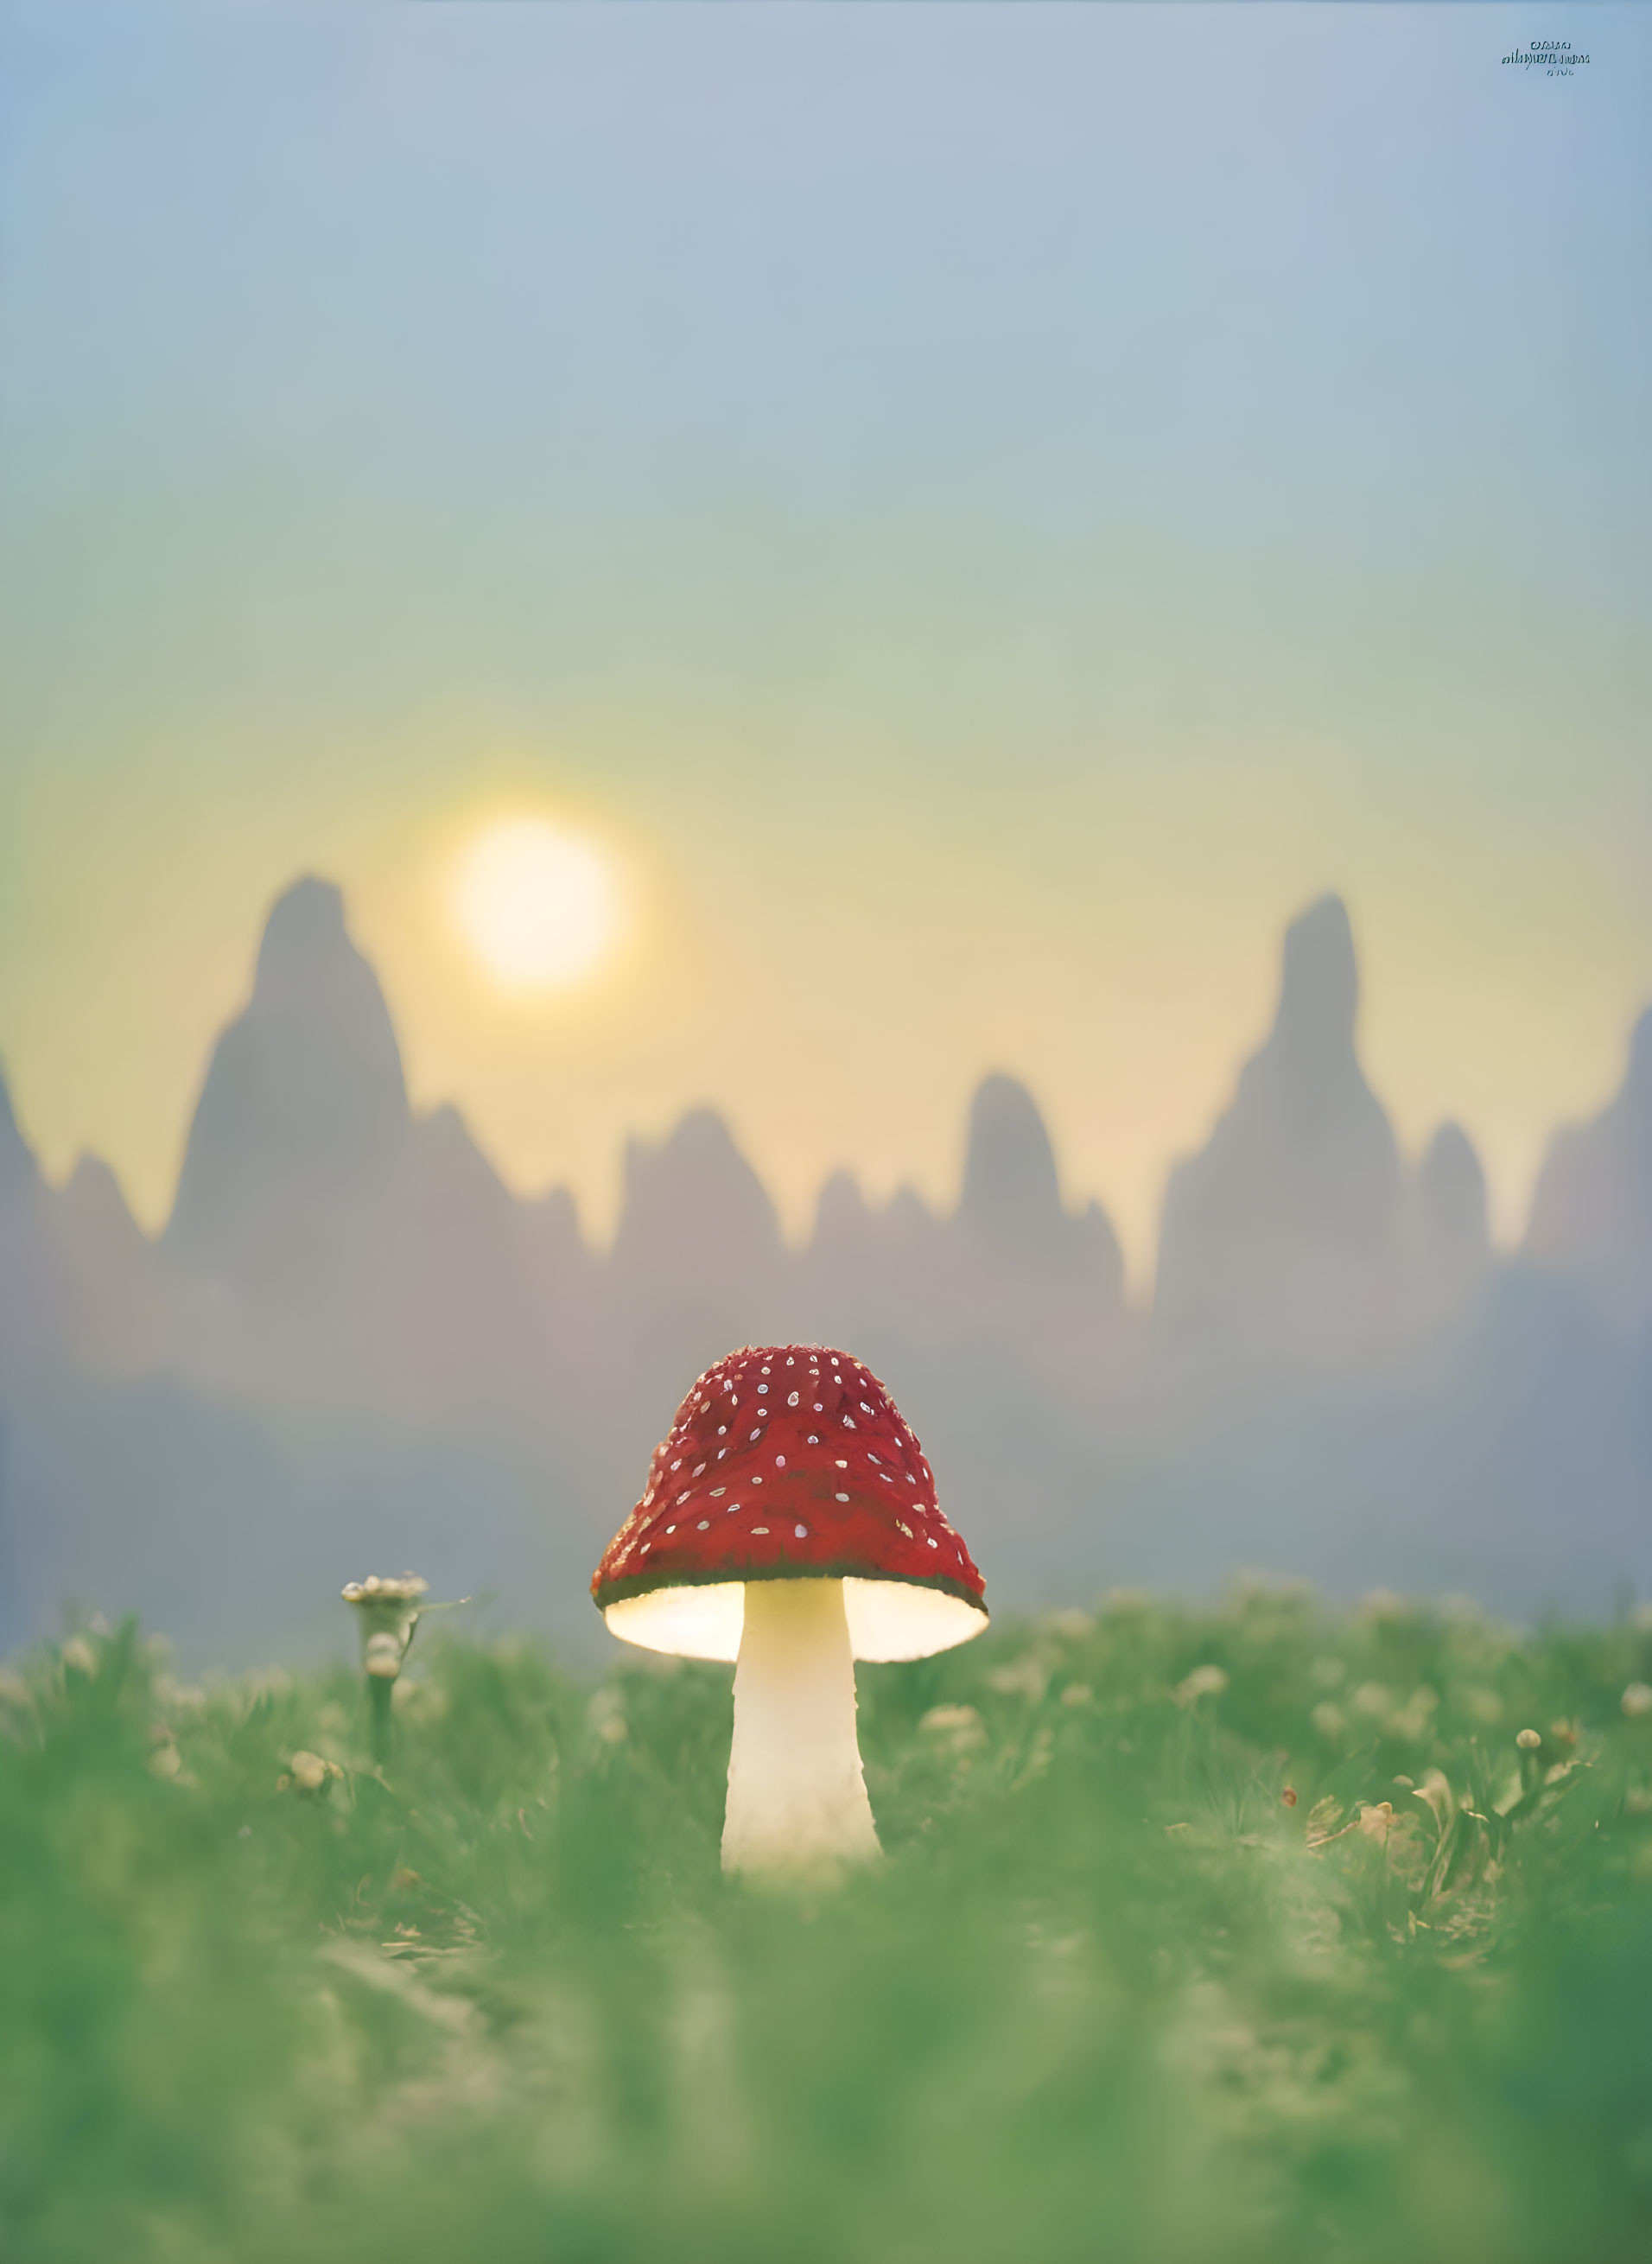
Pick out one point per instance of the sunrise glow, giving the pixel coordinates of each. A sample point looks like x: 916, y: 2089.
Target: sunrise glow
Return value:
x: 537, y: 905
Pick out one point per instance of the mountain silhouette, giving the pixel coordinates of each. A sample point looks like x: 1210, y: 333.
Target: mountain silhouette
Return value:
x: 330, y: 1245
x: 1282, y: 1240
x: 1453, y: 1231
x: 18, y: 1171
x: 79, y: 1281
x: 1037, y: 1281
x: 1012, y: 1196
x: 356, y: 1342
x: 1011, y: 1190
x: 31, y: 1293
x: 281, y: 1227
x: 873, y: 1277
x: 1592, y: 1214
x: 697, y: 1263
x: 693, y: 1213
x: 470, y: 1282
x: 303, y: 1114
x: 115, y: 1299
x: 1012, y: 1279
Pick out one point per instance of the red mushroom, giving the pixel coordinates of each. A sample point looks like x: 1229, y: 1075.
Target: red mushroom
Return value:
x: 790, y: 1523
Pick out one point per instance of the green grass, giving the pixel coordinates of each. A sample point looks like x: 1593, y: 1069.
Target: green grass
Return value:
x: 1110, y: 1995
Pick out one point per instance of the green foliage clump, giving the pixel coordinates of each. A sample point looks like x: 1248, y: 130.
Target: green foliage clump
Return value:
x: 1204, y: 1937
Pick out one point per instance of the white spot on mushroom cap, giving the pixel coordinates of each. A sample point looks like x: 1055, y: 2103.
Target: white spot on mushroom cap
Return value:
x: 791, y: 1398
x: 704, y: 1524
x: 684, y: 1495
x: 801, y: 1531
x: 779, y: 1461
x: 716, y: 1491
x: 842, y: 1496
x: 814, y: 1438
x: 759, y: 1528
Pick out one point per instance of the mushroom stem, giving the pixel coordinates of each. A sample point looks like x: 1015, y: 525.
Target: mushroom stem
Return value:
x: 797, y: 1799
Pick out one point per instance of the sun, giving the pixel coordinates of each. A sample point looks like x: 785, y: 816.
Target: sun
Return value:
x: 536, y: 903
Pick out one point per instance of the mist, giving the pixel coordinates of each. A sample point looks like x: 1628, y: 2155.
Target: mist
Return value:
x: 352, y: 1348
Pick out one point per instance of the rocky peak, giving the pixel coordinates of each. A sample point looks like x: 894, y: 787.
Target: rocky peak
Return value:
x: 1283, y: 1234
x: 304, y: 1107
x: 693, y: 1203
x: 17, y: 1168
x: 92, y: 1193
x: 1451, y: 1191
x: 1637, y: 1083
x: 1591, y: 1213
x: 840, y: 1212
x: 1011, y: 1187
x: 1318, y: 984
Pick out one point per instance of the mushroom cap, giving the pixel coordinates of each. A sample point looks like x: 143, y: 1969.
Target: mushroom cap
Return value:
x: 789, y: 1463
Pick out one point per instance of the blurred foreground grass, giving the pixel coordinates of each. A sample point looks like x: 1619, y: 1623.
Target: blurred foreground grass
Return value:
x: 1113, y: 1995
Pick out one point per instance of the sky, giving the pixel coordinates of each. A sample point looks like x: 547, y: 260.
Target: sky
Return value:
x: 978, y: 514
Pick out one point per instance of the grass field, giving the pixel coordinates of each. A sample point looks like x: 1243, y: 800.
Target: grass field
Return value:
x: 1113, y: 1993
